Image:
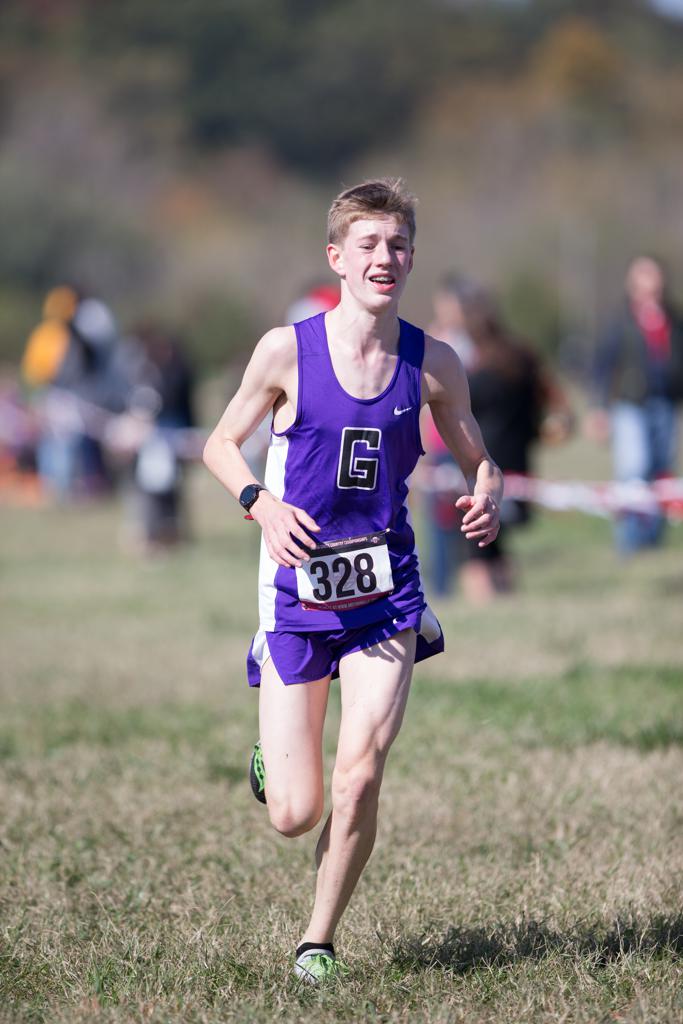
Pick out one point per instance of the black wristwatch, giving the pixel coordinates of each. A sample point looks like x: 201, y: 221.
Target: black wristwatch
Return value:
x: 249, y: 495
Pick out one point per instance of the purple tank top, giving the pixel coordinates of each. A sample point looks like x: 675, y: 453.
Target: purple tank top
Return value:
x: 345, y: 461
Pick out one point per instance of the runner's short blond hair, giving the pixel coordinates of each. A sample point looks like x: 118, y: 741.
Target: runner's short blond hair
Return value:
x: 378, y: 196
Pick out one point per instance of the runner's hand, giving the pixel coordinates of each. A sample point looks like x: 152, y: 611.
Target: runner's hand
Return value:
x: 284, y: 529
x: 481, y: 521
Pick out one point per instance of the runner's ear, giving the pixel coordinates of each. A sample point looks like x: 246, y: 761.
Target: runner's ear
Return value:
x: 335, y: 258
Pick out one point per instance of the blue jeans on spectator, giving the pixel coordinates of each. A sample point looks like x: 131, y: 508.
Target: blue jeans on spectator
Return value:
x: 442, y: 525
x: 644, y: 442
x: 57, y: 459
x: 444, y: 548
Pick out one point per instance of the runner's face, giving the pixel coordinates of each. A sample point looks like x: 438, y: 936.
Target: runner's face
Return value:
x: 374, y: 260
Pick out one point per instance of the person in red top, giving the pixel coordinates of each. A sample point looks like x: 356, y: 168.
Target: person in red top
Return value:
x: 639, y: 380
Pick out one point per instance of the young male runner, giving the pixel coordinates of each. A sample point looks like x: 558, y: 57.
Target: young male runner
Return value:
x: 339, y: 583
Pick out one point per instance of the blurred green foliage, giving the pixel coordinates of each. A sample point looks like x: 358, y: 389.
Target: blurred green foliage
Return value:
x: 320, y: 80
x: 533, y: 309
x: 71, y: 234
x: 218, y: 328
x: 133, y: 134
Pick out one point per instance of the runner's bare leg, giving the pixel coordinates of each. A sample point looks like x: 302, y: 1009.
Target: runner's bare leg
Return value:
x: 291, y: 722
x: 374, y: 686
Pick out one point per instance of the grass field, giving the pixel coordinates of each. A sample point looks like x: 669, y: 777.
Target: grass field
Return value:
x: 530, y: 856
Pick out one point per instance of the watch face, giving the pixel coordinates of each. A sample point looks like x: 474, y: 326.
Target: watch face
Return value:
x: 249, y: 495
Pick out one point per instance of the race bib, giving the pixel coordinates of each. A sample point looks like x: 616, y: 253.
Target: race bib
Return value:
x: 346, y: 573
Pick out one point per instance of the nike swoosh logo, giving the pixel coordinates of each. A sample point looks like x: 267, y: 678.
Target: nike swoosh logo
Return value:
x: 399, y: 412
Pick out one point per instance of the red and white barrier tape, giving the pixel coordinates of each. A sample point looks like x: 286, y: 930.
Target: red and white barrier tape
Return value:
x: 593, y: 498
x: 61, y: 411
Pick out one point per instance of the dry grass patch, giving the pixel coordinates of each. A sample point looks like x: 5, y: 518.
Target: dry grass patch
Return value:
x: 529, y: 864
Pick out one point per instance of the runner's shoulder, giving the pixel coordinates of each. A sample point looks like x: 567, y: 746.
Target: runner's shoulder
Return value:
x: 439, y: 354
x: 441, y: 361
x: 279, y: 343
x: 276, y: 352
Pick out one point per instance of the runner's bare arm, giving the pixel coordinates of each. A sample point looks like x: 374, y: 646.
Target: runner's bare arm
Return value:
x: 267, y: 378
x: 447, y: 394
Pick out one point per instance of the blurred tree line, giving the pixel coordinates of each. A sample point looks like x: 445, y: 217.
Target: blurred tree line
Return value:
x: 150, y: 150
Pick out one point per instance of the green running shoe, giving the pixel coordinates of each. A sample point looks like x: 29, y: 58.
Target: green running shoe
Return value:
x: 257, y: 774
x: 317, y: 967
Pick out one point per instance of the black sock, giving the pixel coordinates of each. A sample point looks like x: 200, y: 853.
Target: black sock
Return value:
x: 305, y: 946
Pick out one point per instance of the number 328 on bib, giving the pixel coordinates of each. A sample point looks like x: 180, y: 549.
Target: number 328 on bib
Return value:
x: 346, y: 574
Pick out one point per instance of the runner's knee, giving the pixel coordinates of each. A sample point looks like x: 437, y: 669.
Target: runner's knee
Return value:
x: 293, y: 818
x: 355, y: 790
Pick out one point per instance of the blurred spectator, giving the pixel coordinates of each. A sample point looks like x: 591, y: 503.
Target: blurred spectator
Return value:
x: 48, y: 343
x: 68, y: 366
x: 516, y: 402
x: 19, y: 431
x: 19, y: 481
x: 448, y: 322
x: 161, y: 400
x: 442, y: 518
x: 639, y: 380
x: 318, y: 297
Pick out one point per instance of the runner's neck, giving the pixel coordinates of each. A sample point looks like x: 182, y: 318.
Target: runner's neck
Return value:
x: 361, y: 331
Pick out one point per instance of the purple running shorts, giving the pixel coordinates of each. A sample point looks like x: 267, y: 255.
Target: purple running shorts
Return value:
x: 305, y: 657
